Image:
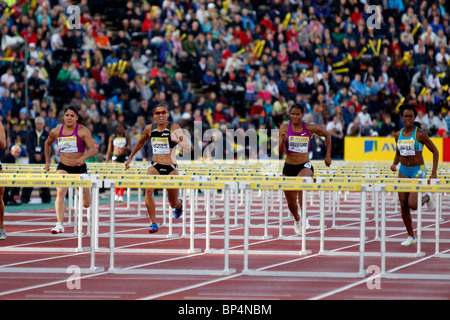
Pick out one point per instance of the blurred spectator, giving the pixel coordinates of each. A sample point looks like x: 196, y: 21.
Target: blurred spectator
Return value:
x: 35, y: 149
x: 11, y: 192
x: 319, y: 53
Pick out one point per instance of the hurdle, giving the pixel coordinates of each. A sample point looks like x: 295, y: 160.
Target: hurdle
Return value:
x: 178, y: 185
x: 438, y: 189
x: 371, y: 183
x: 65, y: 182
x: 303, y: 251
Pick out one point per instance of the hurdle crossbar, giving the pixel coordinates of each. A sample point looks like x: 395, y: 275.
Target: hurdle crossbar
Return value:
x: 76, y: 182
x: 171, y: 185
x: 419, y: 189
x: 320, y: 188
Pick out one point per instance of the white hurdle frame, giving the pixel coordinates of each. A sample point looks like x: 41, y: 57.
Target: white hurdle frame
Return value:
x: 84, y: 182
x: 192, y: 186
x: 321, y: 189
x: 419, y: 188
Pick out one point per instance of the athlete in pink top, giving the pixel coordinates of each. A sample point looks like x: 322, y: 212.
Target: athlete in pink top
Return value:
x: 72, y: 139
x: 295, y: 139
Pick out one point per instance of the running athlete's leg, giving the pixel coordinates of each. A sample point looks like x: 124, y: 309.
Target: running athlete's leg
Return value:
x: 306, y: 172
x: 149, y: 198
x: 291, y: 198
x: 60, y: 202
x: 174, y: 202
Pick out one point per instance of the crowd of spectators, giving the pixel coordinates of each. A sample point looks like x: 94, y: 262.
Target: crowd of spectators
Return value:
x: 230, y: 64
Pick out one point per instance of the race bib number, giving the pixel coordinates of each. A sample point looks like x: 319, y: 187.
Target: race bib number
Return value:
x: 406, y: 147
x: 120, y: 142
x: 160, y: 145
x: 298, y: 144
x: 67, y: 144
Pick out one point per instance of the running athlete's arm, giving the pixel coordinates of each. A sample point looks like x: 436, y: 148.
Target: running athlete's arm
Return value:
x: 86, y: 135
x: 144, y: 137
x: 48, y: 146
x: 313, y: 128
x: 397, y: 154
x: 423, y: 138
x: 282, y: 137
x: 2, y: 137
x: 110, y: 148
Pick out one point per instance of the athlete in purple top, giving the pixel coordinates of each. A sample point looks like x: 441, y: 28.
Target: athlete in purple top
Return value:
x: 72, y: 139
x: 295, y: 139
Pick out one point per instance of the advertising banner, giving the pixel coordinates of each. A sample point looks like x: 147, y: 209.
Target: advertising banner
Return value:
x: 366, y: 149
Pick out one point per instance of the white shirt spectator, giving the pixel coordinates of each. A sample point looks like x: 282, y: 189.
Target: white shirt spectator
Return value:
x: 364, y: 116
x: 433, y: 81
x: 8, y: 77
x: 335, y: 126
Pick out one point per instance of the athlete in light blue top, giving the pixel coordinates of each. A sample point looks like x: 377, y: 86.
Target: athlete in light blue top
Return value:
x: 410, y: 141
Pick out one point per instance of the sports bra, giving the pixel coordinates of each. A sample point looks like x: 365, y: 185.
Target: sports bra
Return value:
x: 298, y: 142
x: 71, y: 143
x: 161, y: 140
x: 408, y: 146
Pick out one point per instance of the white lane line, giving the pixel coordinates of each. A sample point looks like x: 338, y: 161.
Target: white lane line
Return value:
x: 352, y: 285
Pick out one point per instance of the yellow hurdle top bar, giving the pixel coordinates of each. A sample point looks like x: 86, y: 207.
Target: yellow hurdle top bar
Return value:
x: 133, y: 184
x: 62, y: 183
x: 306, y: 186
x: 417, y: 188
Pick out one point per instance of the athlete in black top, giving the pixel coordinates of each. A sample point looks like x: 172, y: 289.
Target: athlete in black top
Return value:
x: 164, y: 137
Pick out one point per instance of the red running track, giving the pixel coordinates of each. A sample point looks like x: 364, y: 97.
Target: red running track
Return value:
x: 236, y: 286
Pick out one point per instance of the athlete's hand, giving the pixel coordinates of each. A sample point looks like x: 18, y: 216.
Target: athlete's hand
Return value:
x: 127, y: 164
x: 78, y: 162
x: 394, y: 168
x: 47, y: 167
x: 283, y: 137
x: 328, y: 161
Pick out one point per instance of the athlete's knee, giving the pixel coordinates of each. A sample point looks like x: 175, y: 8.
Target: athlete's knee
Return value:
x: 293, y: 207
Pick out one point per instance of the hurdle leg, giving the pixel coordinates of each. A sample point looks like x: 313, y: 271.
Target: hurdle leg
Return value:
x: 70, y: 192
x: 419, y: 223
x: 438, y: 223
x: 192, y: 225
x: 271, y: 200
x: 75, y: 211
x: 183, y: 217
x: 208, y: 221
x: 266, y: 214
x: 164, y: 206
x: 226, y: 244
x: 128, y: 198
x: 170, y: 217
x: 96, y: 215
x: 246, y: 230
x: 112, y: 231
x: 280, y: 216
x: 377, y: 208
x: 214, y: 203
x: 80, y: 219
x: 94, y: 230
x: 304, y: 251
x: 322, y: 222
x: 236, y: 193
x: 139, y: 197
x: 383, y: 231
x: 362, y: 240
x: 333, y: 211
